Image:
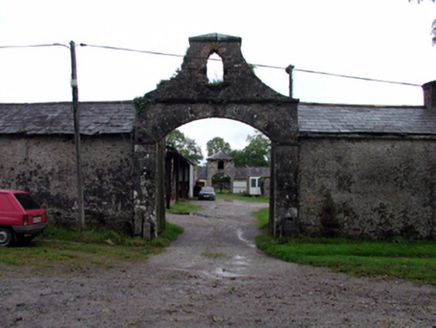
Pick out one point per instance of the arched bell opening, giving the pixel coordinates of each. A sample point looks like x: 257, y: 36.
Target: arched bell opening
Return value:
x: 187, y: 98
x: 215, y: 69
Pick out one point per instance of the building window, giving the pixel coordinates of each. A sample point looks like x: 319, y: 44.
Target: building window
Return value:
x: 253, y: 183
x: 220, y: 165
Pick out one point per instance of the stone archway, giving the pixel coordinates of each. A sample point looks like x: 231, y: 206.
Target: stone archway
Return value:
x: 189, y: 97
x: 221, y: 164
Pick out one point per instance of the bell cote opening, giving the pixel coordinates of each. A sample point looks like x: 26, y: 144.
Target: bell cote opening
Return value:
x: 215, y: 69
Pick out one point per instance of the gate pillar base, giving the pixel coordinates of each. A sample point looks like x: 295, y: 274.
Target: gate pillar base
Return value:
x: 145, y: 194
x: 284, y: 194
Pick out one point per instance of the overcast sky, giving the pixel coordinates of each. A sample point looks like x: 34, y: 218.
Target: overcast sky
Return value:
x: 379, y: 39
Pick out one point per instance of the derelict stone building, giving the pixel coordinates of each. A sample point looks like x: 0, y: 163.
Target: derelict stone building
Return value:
x: 348, y: 170
x: 220, y: 164
x: 237, y: 179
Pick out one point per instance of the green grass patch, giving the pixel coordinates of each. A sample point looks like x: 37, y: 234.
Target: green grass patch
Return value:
x: 262, y: 216
x: 212, y: 255
x: 242, y: 197
x: 413, y: 260
x: 167, y: 236
x: 397, y: 258
x: 74, y: 248
x: 183, y: 207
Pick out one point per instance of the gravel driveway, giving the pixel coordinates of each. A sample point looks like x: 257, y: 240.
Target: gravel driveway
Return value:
x: 213, y: 275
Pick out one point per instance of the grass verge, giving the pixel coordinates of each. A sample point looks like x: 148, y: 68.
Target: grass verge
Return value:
x: 412, y: 260
x: 183, y: 207
x: 242, y: 197
x: 262, y: 218
x: 74, y: 248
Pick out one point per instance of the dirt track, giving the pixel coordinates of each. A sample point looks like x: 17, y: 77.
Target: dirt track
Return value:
x: 212, y: 276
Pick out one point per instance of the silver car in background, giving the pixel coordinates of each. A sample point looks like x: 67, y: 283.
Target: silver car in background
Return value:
x: 207, y: 193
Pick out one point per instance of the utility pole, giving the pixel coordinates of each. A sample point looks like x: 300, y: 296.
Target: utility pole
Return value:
x: 289, y: 70
x: 75, y: 90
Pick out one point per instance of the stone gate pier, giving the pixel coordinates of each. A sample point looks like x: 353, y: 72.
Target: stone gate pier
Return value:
x: 188, y: 97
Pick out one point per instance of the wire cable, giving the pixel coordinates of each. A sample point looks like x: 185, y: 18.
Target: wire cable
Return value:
x: 263, y: 66
x: 216, y: 59
x: 131, y: 50
x: 358, y: 78
x: 36, y: 46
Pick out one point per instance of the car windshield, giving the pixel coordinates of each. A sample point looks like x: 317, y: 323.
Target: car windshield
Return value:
x: 27, y: 202
x: 209, y: 189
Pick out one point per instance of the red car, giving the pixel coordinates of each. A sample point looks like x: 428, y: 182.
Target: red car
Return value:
x: 21, y: 218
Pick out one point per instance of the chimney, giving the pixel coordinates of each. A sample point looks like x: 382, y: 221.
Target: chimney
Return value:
x: 430, y: 95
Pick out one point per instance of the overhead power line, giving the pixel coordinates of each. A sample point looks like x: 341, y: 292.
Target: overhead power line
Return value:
x: 358, y: 78
x: 131, y: 50
x: 216, y: 59
x: 262, y: 65
x: 36, y: 46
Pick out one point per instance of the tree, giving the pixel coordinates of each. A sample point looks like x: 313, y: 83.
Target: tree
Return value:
x: 240, y: 157
x: 433, y: 27
x: 433, y: 32
x: 258, y: 150
x: 184, y: 145
x: 216, y: 145
x: 256, y: 154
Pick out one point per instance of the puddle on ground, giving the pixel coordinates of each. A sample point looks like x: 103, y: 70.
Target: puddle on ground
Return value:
x: 249, y: 243
x: 203, y: 215
x: 240, y: 260
x: 227, y: 274
x: 237, y: 266
x: 233, y: 269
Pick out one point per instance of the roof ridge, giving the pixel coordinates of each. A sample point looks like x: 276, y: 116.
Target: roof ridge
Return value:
x: 215, y: 156
x: 358, y: 105
x: 69, y: 102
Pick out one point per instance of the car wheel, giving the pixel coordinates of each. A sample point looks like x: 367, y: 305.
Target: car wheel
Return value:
x: 6, y: 237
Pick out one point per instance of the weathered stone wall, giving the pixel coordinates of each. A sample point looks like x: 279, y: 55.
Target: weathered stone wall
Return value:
x: 45, y: 166
x: 368, y: 188
x: 229, y: 170
x: 242, y: 97
x: 284, y: 190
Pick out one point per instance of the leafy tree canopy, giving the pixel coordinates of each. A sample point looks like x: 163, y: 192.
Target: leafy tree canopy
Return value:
x: 256, y: 154
x: 186, y: 146
x: 259, y: 150
x: 216, y: 145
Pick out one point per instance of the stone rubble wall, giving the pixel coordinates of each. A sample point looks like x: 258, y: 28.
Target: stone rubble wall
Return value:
x: 374, y: 188
x: 367, y: 188
x: 45, y: 166
x: 228, y: 170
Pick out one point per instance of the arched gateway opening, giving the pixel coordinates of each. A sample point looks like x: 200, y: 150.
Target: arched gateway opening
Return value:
x: 188, y: 97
